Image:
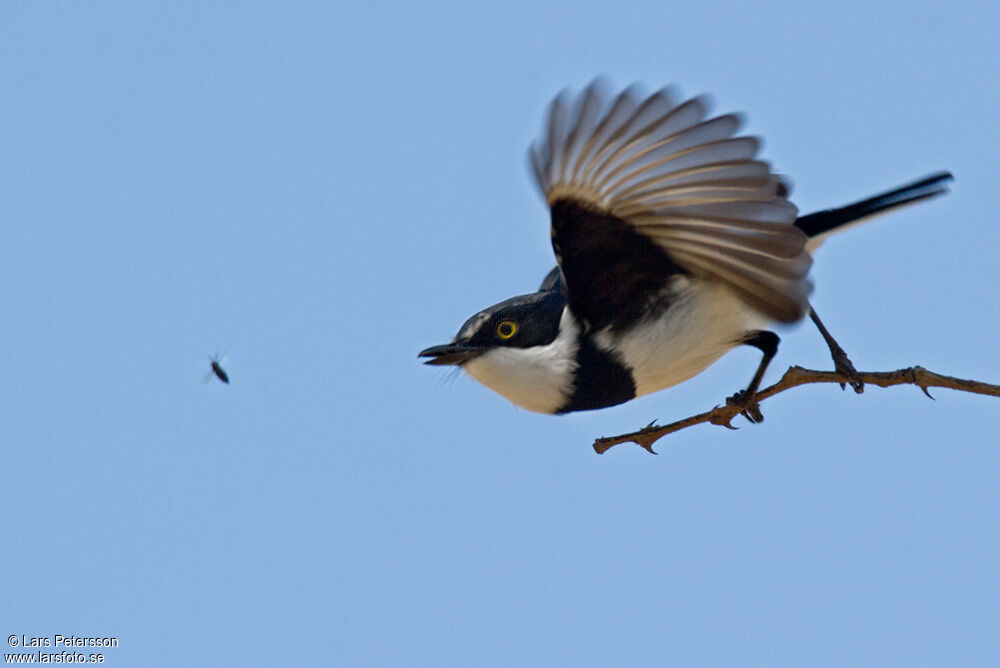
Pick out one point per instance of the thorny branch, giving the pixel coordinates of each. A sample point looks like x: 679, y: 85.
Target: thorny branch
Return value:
x: 795, y: 376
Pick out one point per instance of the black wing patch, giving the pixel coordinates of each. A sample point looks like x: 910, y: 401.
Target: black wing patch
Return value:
x: 614, y: 274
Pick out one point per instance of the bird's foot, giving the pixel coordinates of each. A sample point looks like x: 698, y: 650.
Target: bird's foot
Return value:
x: 742, y: 403
x: 840, y: 360
x: 842, y: 363
x: 747, y: 403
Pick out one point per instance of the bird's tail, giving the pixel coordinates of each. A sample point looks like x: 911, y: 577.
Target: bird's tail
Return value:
x: 821, y: 224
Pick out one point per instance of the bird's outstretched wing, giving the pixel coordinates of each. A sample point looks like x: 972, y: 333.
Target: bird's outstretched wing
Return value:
x: 641, y: 188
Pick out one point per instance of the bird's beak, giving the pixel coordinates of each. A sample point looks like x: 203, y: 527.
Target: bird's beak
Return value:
x: 451, y: 353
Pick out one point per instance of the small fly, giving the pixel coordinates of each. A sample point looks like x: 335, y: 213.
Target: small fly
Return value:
x: 219, y: 372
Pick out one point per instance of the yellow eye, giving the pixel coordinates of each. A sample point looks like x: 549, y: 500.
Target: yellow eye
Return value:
x: 506, y: 329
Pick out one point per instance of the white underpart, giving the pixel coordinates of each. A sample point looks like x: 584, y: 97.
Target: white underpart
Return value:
x: 705, y: 320
x: 539, y: 378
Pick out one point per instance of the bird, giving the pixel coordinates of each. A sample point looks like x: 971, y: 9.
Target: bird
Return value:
x: 674, y: 244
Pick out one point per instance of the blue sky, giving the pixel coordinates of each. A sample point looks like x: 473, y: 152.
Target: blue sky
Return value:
x: 321, y: 191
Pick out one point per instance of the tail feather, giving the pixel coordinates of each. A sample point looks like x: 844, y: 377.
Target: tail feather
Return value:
x: 819, y: 224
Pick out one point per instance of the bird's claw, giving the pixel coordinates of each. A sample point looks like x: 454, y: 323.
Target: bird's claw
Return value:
x: 843, y: 366
x: 749, y: 408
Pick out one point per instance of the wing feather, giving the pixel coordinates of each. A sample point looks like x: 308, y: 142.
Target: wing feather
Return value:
x: 686, y: 182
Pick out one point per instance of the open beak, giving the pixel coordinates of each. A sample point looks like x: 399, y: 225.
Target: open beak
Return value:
x: 450, y: 354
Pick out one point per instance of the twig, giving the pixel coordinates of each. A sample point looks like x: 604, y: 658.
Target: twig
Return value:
x: 795, y: 376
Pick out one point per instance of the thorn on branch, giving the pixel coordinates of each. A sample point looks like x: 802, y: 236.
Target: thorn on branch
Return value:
x: 916, y: 374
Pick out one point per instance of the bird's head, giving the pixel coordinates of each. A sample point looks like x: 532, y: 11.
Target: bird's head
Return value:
x: 525, y: 321
x: 522, y: 348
